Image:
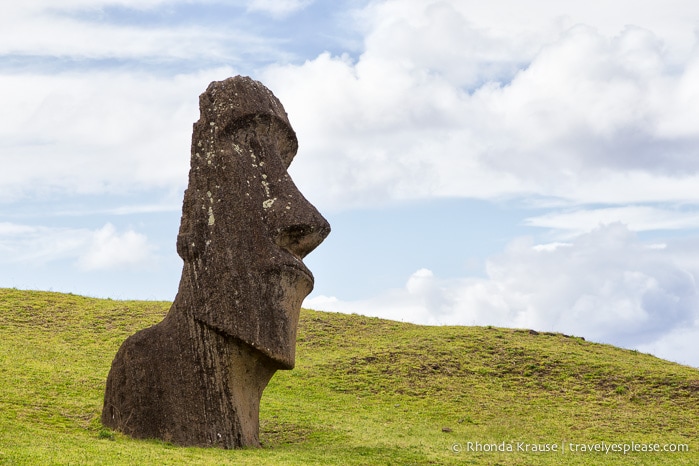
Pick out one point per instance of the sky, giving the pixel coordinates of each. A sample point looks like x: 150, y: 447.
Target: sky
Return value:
x: 518, y: 164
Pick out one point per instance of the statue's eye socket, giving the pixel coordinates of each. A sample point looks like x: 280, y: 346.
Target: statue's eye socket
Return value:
x: 271, y: 133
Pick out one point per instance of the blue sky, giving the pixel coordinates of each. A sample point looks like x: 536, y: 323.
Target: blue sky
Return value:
x: 524, y: 164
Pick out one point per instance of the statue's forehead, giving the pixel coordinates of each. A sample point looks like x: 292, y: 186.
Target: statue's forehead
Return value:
x: 242, y: 104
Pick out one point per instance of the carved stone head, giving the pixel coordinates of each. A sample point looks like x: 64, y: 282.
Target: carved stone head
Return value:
x: 245, y: 226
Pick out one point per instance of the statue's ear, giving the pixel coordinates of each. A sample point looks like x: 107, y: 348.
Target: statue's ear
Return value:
x: 187, y: 247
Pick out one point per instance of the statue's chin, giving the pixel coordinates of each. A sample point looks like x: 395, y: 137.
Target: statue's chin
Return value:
x: 267, y: 318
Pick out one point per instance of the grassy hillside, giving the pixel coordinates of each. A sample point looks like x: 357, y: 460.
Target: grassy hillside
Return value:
x: 365, y: 391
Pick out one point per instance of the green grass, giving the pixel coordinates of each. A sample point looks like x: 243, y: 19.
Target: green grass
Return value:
x: 365, y: 391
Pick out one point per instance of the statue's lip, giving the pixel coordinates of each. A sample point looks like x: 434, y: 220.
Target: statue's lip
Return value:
x: 299, y: 267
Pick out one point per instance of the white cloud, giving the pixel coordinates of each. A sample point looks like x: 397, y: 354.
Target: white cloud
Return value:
x: 679, y: 345
x: 40, y: 5
x: 71, y: 38
x: 109, y: 249
x: 449, y: 101
x: 278, y: 8
x: 589, y: 104
x: 637, y: 218
x: 604, y: 285
x: 98, y: 132
x: 100, y: 249
x: 84, y: 34
x: 39, y: 244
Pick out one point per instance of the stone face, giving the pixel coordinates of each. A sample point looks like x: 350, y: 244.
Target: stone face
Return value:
x: 197, y: 377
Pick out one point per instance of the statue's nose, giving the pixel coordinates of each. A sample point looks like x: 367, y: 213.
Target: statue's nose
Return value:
x: 303, y: 231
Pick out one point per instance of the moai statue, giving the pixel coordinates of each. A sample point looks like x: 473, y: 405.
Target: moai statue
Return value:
x: 197, y: 377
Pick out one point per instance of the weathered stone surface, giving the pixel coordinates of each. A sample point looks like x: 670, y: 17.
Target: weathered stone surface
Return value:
x: 197, y: 377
